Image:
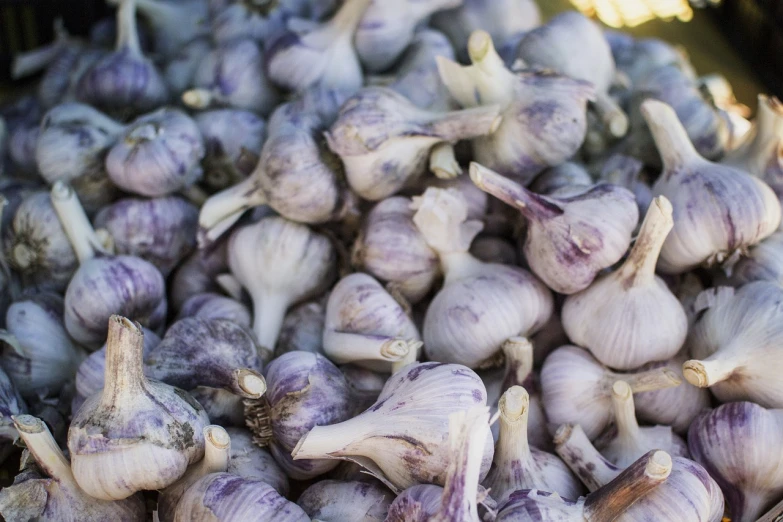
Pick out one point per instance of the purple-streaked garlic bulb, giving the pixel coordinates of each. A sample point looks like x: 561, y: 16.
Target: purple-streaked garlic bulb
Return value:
x: 124, y: 81
x: 638, y: 58
x: 544, y: 114
x: 386, y: 29
x: 173, y: 24
x: 763, y: 262
x: 181, y: 68
x: 232, y: 75
x: 740, y: 446
x: 201, y: 352
x: 249, y: 461
x: 224, y: 496
x: 365, y: 326
x: 735, y: 343
x: 567, y: 175
x: 197, y: 274
x: 303, y: 390
x: 159, y: 154
x: 279, y: 263
x: 417, y: 75
x: 303, y: 328
x: 135, y: 434
x: 210, y: 306
x: 161, y: 230
x: 516, y: 465
x: 689, y: 493
x: 337, y: 501
x: 570, y: 238
x: 577, y: 389
x: 481, y: 305
x: 416, y: 504
x: 403, y: 438
x: 385, y: 141
x: 312, y: 55
x: 50, y: 492
x: 391, y: 248
x: 735, y: 210
x: 626, y: 171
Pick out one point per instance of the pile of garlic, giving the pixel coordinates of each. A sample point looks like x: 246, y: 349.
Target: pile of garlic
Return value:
x: 374, y: 260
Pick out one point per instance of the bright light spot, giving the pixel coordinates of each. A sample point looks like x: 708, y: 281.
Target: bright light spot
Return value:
x: 630, y: 13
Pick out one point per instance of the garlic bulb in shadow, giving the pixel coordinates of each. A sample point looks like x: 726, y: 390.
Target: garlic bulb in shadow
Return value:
x: 384, y: 141
x: 181, y: 68
x: 303, y: 328
x: 417, y: 75
x: 577, y: 389
x: 366, y: 326
x: 173, y: 23
x: 481, y: 305
x: 735, y: 344
x: 626, y: 171
x: 124, y: 81
x: 37, y: 353
x: 54, y: 495
x: 629, y: 317
x: 574, y: 45
x: 337, y: 501
x: 249, y: 461
x: 217, y: 448
x: 386, y: 29
x: 632, y: 441
x: 199, y: 352
x: 491, y: 249
x: 569, y: 174
x: 197, y: 274
x: 11, y: 404
x: 518, y: 466
x: 570, y: 238
x: 366, y: 385
x: 763, y: 262
x: 158, y: 154
x: 736, y: 210
x: 380, y: 439
x: 303, y: 390
x: 739, y: 444
x: 161, y: 230
x: 257, y: 21
x: 215, y: 306
x: 279, y: 263
x: 689, y: 493
x: 544, y: 114
x: 224, y: 496
x: 392, y: 249
x: 308, y: 55
x: 136, y: 433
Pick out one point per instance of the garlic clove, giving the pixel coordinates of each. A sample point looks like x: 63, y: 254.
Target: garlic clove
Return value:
x: 337, y: 501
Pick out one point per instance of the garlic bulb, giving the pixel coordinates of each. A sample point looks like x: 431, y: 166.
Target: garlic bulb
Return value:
x: 366, y: 326
x: 762, y: 262
x: 319, y: 55
x: 337, y: 501
x: 544, y: 114
x: 626, y: 171
x: 303, y: 329
x: 215, y: 306
x: 279, y: 262
x: 518, y: 466
x: 735, y: 344
x: 632, y: 441
x: 11, y: 404
x: 161, y: 230
x: 629, y: 317
x: 222, y: 496
x: 739, y: 444
x: 54, y: 495
x: 158, y: 155
x: 231, y: 361
x: 569, y: 238
x: 173, y: 23
x: 577, y: 389
x: 689, y: 493
x: 217, y: 448
x: 384, y: 140
x: 490, y: 249
x: 386, y: 29
x: 402, y: 439
x: 481, y: 305
x: 112, y: 457
x: 181, y: 67
x: 37, y: 353
x: 197, y: 274
x: 392, y: 249
x: 303, y: 390
x: 569, y: 174
x: 416, y: 504
x: 417, y: 75
x: 366, y: 385
x: 23, y: 143
x: 256, y: 21
x: 249, y: 461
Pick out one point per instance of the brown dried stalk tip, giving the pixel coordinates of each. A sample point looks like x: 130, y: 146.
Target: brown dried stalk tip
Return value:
x: 259, y: 421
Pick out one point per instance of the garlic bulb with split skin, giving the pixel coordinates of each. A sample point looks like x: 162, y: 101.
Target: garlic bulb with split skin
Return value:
x: 215, y: 306
x: 403, y: 438
x: 279, y: 263
x: 384, y: 140
x: 739, y: 444
x: 576, y: 388
x: 735, y: 343
x: 570, y: 238
x: 366, y: 326
x: 481, y: 305
x: 53, y: 494
x: 629, y: 317
x: 136, y: 433
x: 544, y: 114
x: 338, y: 501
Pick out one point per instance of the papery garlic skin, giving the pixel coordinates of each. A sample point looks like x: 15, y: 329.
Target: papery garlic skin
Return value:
x: 249, y: 461
x: 739, y: 444
x: 336, y: 501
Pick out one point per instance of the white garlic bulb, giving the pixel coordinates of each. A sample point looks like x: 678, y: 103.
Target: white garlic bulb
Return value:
x: 570, y: 238
x: 629, y: 317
